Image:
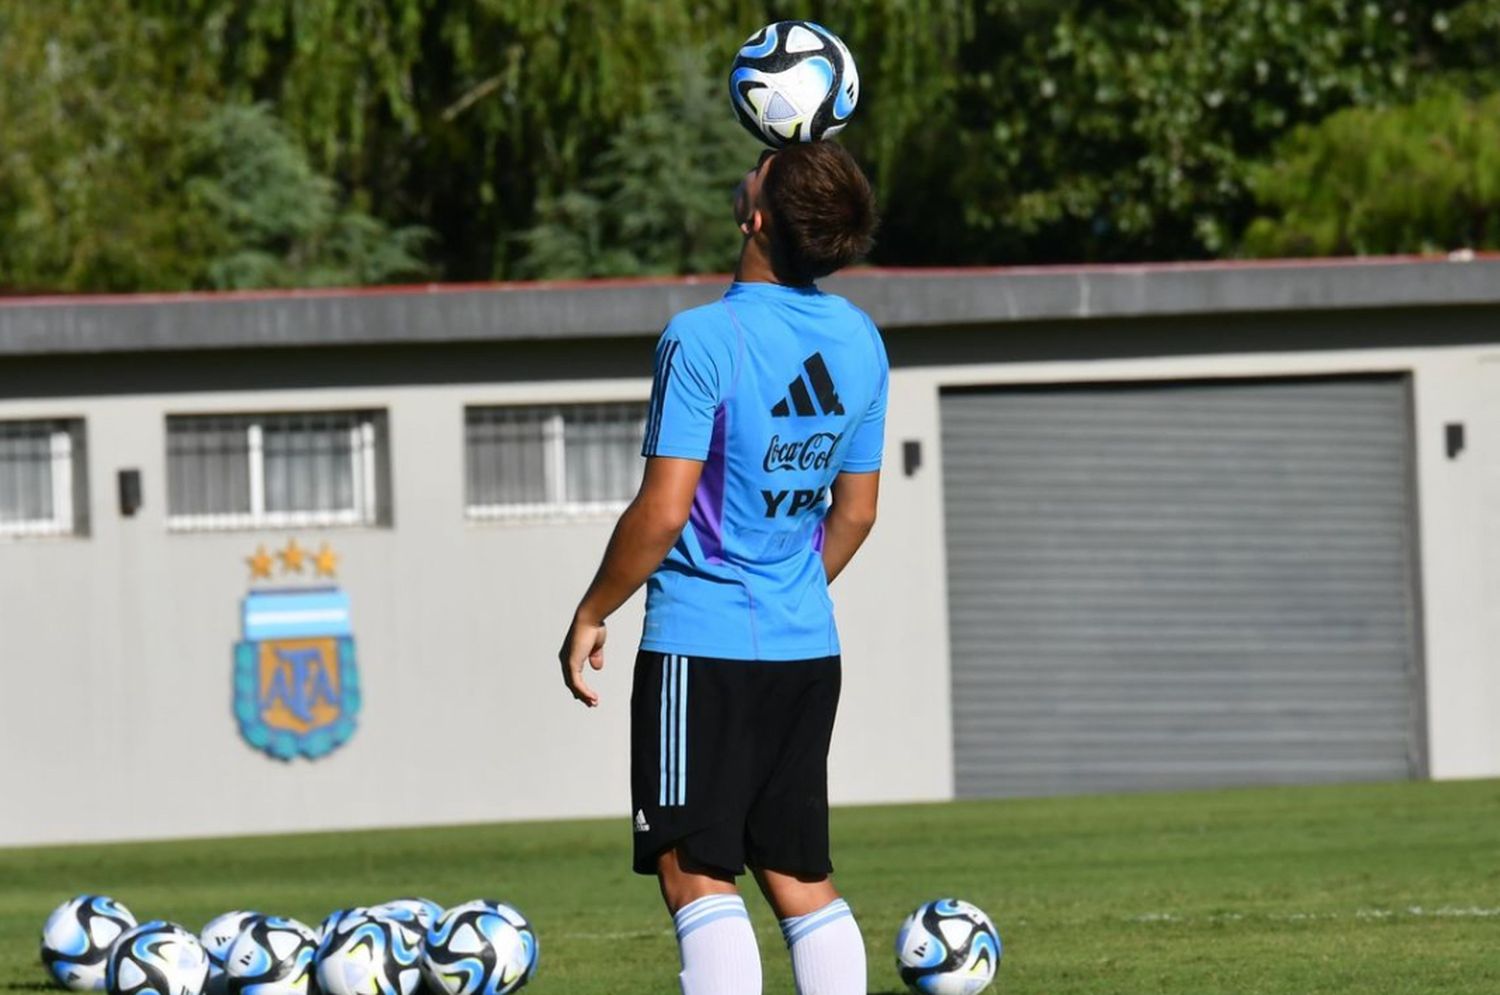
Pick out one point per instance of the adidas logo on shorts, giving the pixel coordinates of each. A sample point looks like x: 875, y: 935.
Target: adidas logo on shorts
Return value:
x: 641, y: 825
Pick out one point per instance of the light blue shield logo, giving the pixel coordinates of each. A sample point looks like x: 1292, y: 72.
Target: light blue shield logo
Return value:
x: 296, y: 686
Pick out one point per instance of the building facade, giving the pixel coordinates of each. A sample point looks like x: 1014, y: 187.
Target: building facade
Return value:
x: 288, y: 562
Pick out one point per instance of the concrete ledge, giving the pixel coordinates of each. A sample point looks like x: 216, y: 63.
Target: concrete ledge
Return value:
x: 896, y: 299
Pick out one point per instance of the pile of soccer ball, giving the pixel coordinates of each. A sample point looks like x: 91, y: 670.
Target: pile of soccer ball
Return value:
x: 93, y: 943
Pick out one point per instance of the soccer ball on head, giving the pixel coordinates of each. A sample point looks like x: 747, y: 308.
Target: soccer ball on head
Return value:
x: 219, y: 934
x: 479, y: 948
x: 272, y: 955
x: 156, y: 958
x: 793, y: 81
x: 77, y: 937
x: 363, y: 954
x: 948, y: 947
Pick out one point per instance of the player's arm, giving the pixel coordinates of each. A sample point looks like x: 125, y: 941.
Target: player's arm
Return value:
x: 849, y: 520
x: 678, y: 433
x: 856, y: 489
x: 642, y: 538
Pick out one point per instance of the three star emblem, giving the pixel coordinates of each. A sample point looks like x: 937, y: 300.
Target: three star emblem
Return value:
x: 294, y: 560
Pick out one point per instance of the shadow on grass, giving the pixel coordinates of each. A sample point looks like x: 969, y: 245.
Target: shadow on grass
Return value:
x: 29, y: 986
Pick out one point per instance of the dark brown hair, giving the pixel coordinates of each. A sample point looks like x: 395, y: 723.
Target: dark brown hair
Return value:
x: 821, y: 211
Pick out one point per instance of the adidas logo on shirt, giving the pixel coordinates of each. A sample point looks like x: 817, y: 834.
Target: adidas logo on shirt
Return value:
x: 799, y: 400
x: 641, y: 825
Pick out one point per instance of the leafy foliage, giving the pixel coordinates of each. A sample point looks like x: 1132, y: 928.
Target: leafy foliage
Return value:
x: 1091, y: 135
x: 267, y: 219
x: 118, y: 173
x: 484, y: 119
x: 654, y: 203
x: 1423, y: 177
x: 536, y: 137
x: 83, y: 201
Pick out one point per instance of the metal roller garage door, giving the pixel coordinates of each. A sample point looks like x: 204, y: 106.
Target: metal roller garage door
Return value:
x: 1180, y: 585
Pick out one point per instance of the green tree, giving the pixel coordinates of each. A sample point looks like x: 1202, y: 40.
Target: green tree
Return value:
x: 1092, y: 132
x: 995, y: 130
x: 120, y: 171
x: 476, y: 117
x: 263, y: 217
x: 84, y: 201
x: 657, y: 200
x: 1424, y: 177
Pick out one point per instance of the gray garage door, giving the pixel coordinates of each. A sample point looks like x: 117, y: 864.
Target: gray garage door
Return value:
x: 1180, y: 585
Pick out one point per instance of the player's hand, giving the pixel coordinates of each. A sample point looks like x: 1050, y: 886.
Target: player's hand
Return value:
x: 585, y: 641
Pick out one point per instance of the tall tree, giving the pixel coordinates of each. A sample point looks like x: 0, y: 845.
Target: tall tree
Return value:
x: 657, y: 200
x: 1423, y: 177
x: 1091, y: 132
x: 263, y: 217
x: 471, y: 116
x: 122, y: 168
x: 84, y: 201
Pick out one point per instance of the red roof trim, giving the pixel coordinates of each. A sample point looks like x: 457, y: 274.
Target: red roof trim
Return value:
x: 977, y: 272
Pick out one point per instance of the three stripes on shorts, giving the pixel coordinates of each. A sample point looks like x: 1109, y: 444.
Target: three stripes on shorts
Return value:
x: 674, y: 705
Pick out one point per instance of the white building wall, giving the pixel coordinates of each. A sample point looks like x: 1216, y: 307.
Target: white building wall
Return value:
x: 115, y: 717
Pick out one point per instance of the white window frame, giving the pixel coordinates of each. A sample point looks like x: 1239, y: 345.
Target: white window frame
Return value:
x: 554, y: 472
x: 62, y: 521
x: 363, y: 457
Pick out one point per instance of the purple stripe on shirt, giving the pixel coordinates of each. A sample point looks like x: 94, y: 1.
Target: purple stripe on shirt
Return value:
x: 707, y: 515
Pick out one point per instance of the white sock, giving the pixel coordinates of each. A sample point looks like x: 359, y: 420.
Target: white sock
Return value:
x: 719, y: 955
x: 828, y: 952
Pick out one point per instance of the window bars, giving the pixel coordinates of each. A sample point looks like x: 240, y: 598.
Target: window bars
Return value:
x: 42, y: 486
x: 289, y: 470
x: 552, y: 461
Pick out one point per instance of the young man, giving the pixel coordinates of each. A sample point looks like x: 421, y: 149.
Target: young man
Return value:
x: 766, y: 404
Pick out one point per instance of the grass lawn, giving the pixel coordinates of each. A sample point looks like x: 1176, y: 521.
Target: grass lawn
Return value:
x: 1362, y: 889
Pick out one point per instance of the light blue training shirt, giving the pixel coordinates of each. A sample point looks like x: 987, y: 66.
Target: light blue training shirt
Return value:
x: 776, y: 390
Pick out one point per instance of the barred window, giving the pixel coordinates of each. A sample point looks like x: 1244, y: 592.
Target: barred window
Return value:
x: 42, y: 487
x: 276, y: 470
x: 554, y: 460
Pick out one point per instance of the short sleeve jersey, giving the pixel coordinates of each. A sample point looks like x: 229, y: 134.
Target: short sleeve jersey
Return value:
x: 776, y: 390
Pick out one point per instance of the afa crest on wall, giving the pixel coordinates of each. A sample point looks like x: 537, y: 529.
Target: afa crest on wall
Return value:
x: 296, y: 683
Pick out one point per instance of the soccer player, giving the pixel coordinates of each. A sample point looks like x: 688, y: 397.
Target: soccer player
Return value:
x: 766, y: 405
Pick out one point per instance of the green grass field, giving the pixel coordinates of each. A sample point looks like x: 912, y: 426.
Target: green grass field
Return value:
x: 1361, y: 889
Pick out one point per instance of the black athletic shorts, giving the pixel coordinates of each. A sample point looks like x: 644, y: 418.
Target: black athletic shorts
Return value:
x: 729, y: 762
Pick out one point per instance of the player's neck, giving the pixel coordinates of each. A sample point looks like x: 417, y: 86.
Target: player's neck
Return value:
x: 754, y: 266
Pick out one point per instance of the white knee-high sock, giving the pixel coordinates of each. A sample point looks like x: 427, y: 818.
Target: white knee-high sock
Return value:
x: 719, y: 955
x: 828, y: 952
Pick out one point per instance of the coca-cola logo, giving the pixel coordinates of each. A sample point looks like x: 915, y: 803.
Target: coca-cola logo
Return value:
x: 812, y: 453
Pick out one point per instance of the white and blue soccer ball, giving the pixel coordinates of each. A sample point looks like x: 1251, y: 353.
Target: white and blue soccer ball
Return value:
x: 364, y: 954
x: 948, y: 947
x: 793, y: 81
x: 331, y: 920
x: 76, y: 940
x: 418, y: 913
x: 156, y: 958
x: 479, y: 948
x: 272, y: 955
x: 219, y: 933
